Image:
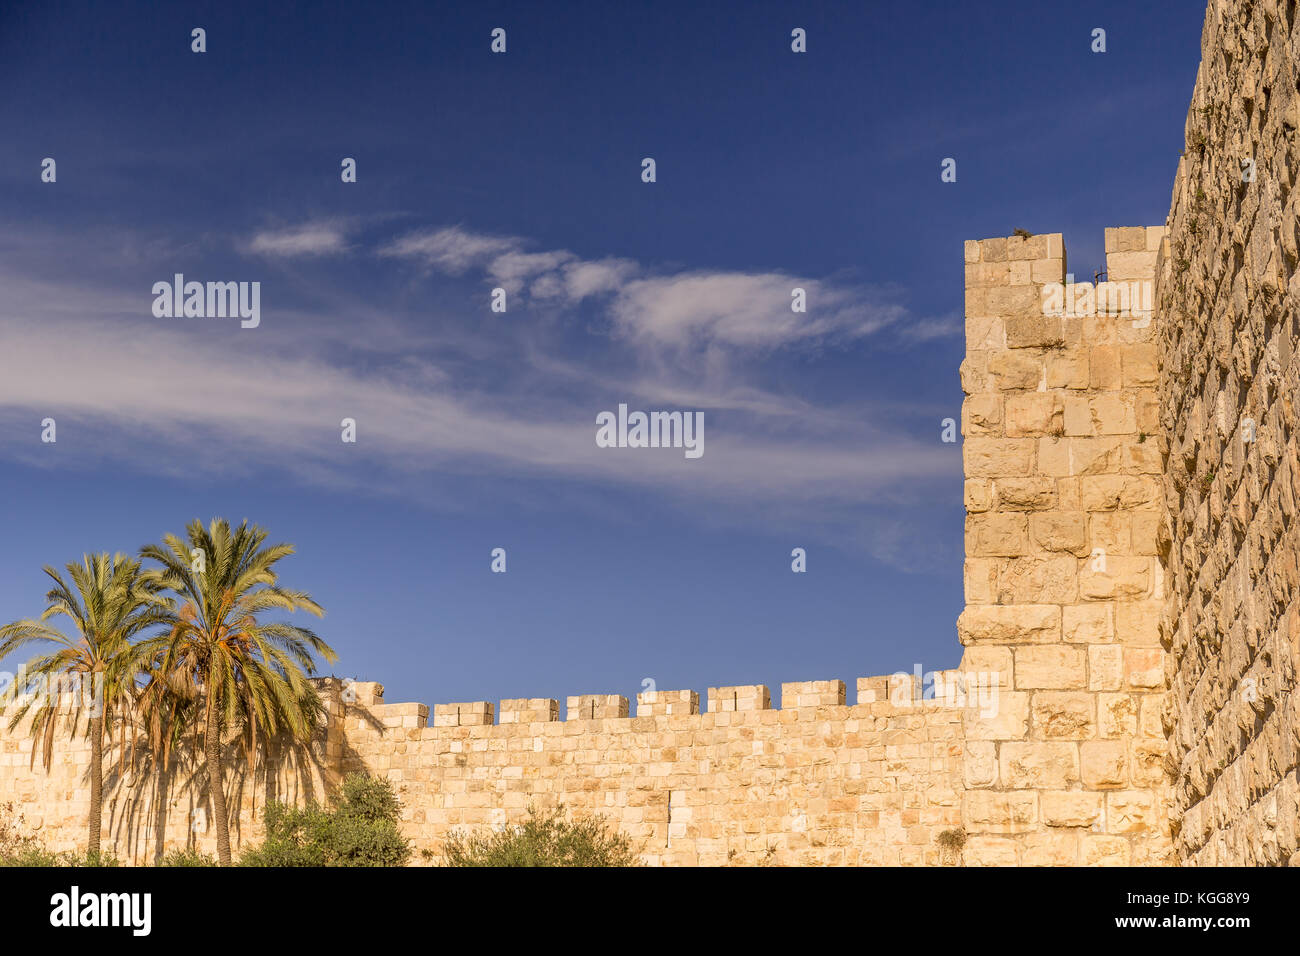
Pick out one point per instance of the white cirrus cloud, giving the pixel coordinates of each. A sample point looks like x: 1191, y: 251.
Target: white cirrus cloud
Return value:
x: 452, y: 249
x: 308, y: 239
x: 696, y: 309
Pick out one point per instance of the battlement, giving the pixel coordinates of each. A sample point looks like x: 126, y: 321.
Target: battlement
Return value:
x: 877, y: 696
x: 817, y: 780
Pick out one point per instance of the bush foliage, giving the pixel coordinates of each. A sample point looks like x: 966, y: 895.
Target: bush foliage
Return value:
x: 546, y: 838
x: 20, y: 849
x: 358, y: 828
x: 187, y: 857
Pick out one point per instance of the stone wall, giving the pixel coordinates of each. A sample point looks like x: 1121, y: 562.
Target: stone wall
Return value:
x: 1229, y: 396
x: 147, y: 813
x: 1063, y: 586
x: 815, y: 782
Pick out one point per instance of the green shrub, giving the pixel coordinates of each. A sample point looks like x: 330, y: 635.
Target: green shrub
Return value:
x: 358, y: 828
x: 545, y: 839
x: 36, y: 855
x: 187, y: 857
x: 19, y: 849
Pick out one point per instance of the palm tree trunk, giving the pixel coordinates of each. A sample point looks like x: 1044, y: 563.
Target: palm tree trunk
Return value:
x: 216, y: 790
x: 96, y: 783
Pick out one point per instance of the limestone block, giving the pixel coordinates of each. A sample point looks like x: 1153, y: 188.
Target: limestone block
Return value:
x: 1035, y: 331
x: 982, y: 415
x: 472, y: 714
x: 993, y: 250
x: 739, y: 698
x: 997, y: 534
x: 1008, y: 721
x: 1116, y: 578
x: 1067, y: 370
x: 1088, y: 623
x: 1124, y: 266
x: 813, y: 693
x: 1010, y: 624
x: 990, y: 851
x: 1025, y: 494
x: 1060, y: 531
x: 1072, y: 808
x: 978, y: 493
x: 667, y: 702
x: 596, y: 707
x: 526, y: 710
x: 1138, y: 622
x: 1099, y: 850
x: 980, y: 764
x: 1052, y: 667
x: 1105, y: 367
x: 1130, y: 811
x: 1016, y: 369
x: 1144, y: 667
x: 1012, y: 301
x: 1063, y: 715
x: 1000, y: 811
x: 872, y: 689
x: 1104, y: 764
x: 362, y: 693
x: 1039, y: 579
x: 1139, y: 365
x: 1049, y: 271
x: 1038, y: 765
x: 1105, y: 667
x: 998, y: 457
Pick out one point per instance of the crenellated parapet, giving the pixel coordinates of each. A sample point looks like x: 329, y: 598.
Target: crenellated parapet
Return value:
x: 816, y: 780
x: 882, y: 696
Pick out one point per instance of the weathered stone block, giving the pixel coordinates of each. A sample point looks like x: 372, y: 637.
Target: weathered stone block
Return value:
x: 1034, y: 414
x: 812, y: 693
x: 1016, y: 370
x: 1105, y: 667
x: 1104, y: 764
x: 1016, y: 624
x: 1088, y: 623
x: 1054, y: 667
x: 1063, y: 715
x: 1026, y: 494
x: 596, y: 707
x: 1072, y: 808
x: 998, y: 457
x: 1040, y: 765
x: 472, y: 714
x: 739, y: 698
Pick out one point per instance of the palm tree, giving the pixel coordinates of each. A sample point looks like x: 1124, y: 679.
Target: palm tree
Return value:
x: 109, y: 604
x: 240, y: 674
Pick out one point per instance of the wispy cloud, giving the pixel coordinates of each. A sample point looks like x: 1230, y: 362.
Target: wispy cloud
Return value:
x: 679, y: 310
x: 434, y: 392
x: 453, y: 250
x: 308, y: 239
x: 244, y: 406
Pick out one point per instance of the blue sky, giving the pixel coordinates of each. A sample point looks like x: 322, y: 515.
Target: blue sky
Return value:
x: 476, y: 429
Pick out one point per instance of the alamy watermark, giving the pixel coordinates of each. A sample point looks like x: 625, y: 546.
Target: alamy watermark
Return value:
x: 651, y: 430
x: 1075, y: 300
x: 210, y: 300
x: 66, y: 692
x: 955, y: 688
